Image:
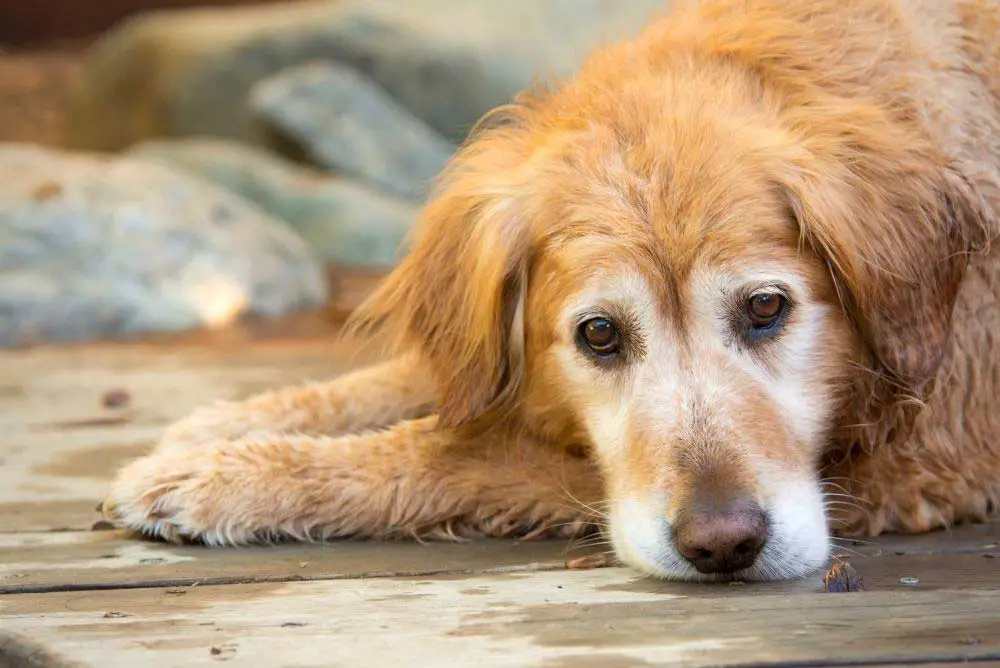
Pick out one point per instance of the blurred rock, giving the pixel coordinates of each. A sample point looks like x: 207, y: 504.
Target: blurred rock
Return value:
x: 346, y: 123
x: 96, y: 247
x: 447, y: 62
x: 342, y: 221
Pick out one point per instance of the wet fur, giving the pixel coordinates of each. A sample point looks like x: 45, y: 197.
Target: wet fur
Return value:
x: 856, y: 142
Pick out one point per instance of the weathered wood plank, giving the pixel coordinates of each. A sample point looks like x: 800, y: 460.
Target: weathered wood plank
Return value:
x: 964, y: 539
x: 45, y: 562
x: 604, y: 617
x: 101, y: 560
x: 59, y: 444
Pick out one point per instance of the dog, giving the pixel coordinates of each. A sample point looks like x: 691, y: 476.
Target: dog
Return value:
x: 724, y: 292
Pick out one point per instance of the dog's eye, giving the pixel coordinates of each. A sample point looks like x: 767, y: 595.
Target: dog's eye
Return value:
x: 765, y: 308
x: 601, y: 336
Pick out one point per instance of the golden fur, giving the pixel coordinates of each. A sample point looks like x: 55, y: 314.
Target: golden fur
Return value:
x: 848, y: 149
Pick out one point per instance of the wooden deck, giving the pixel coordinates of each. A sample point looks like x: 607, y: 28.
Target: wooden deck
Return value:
x: 73, y: 593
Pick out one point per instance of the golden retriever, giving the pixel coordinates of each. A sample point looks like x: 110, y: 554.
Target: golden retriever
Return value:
x: 727, y: 288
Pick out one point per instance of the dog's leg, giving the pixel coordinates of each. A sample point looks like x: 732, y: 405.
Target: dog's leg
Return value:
x: 372, y: 397
x: 410, y: 480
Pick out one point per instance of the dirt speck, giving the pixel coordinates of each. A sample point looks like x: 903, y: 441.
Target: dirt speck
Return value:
x: 46, y: 190
x: 222, y: 652
x: 116, y: 398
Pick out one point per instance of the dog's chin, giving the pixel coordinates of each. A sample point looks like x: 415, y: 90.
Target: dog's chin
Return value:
x: 798, y: 544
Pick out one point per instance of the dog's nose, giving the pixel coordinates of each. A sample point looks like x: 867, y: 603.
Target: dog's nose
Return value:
x: 723, y: 541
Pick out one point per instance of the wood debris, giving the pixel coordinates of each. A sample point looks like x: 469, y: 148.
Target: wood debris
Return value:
x: 842, y: 578
x: 590, y: 561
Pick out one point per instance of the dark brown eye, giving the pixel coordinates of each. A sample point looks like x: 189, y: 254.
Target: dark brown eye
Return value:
x: 601, y: 336
x: 765, y: 308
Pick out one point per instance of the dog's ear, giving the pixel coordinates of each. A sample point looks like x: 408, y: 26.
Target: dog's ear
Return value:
x: 896, y: 224
x: 456, y: 298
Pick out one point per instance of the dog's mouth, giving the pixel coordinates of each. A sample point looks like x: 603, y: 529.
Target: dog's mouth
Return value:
x: 785, y: 539
x: 771, y: 565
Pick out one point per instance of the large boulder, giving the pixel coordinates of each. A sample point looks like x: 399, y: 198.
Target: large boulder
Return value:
x: 99, y: 247
x: 448, y: 62
x: 343, y: 221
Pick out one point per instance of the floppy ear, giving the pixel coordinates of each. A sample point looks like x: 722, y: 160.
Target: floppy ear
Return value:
x: 456, y: 299
x: 896, y: 224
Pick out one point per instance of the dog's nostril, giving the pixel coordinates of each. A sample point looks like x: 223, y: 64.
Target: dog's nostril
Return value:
x: 722, y: 542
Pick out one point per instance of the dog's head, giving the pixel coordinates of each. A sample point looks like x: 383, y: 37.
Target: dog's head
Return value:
x: 690, y: 274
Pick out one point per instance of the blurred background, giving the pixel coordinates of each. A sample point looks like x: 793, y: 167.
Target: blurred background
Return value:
x: 171, y: 166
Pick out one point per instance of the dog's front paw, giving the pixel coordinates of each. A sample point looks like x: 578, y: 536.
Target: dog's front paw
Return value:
x: 171, y: 496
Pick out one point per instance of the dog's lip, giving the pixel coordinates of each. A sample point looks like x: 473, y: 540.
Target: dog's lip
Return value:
x: 658, y: 564
x: 694, y: 576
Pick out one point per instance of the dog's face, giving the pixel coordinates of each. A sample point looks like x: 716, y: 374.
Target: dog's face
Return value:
x: 690, y: 288
x: 681, y: 324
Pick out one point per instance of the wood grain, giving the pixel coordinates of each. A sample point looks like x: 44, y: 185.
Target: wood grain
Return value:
x: 561, y: 618
x: 100, y: 560
x: 59, y: 443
